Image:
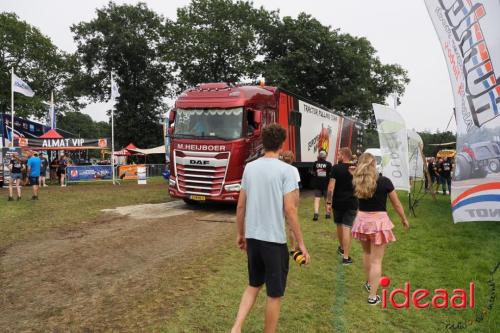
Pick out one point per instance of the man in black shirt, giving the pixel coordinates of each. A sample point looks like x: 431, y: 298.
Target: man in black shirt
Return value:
x: 321, y: 171
x: 444, y: 168
x: 344, y: 203
x: 431, y: 168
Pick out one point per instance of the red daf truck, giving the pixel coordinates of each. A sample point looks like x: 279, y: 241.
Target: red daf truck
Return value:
x: 215, y: 129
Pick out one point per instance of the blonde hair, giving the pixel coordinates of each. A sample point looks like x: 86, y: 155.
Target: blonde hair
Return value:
x: 287, y: 157
x: 365, y: 177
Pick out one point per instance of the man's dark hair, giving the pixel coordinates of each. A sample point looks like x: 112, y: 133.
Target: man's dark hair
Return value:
x: 273, y: 137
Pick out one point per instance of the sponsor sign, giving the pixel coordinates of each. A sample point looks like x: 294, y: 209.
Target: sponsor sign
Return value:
x: 416, y: 161
x: 89, y: 173
x: 128, y: 171
x: 469, y: 32
x: 141, y: 175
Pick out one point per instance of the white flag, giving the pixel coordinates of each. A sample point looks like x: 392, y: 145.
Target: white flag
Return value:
x: 416, y: 162
x: 114, y: 89
x: 20, y: 86
x: 393, y: 145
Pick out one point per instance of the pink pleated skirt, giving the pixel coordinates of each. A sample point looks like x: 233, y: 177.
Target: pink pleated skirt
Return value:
x: 375, y: 227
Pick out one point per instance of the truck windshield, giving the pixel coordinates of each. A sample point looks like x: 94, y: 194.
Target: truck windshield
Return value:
x: 225, y: 124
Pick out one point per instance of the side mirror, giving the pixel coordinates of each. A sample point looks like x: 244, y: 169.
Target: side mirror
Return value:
x: 257, y: 117
x: 171, y: 117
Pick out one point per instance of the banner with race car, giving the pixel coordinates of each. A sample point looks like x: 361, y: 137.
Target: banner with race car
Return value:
x: 469, y: 32
x: 393, y: 146
x: 82, y: 173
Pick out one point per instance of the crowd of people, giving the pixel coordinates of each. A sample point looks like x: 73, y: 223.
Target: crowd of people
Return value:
x: 33, y: 170
x: 355, y: 192
x: 440, y: 172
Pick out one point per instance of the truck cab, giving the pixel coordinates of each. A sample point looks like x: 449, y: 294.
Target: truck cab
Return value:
x: 214, y: 130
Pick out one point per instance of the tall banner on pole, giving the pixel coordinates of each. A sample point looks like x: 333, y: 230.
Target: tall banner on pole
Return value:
x: 415, y: 160
x: 469, y: 32
x: 393, y: 145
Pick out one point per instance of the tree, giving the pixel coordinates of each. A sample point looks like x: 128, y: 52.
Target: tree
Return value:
x: 338, y: 70
x: 215, y: 40
x: 82, y: 125
x: 37, y: 61
x: 436, y: 138
x: 125, y: 39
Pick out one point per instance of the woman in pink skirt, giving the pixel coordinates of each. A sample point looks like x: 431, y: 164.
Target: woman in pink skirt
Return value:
x: 372, y: 225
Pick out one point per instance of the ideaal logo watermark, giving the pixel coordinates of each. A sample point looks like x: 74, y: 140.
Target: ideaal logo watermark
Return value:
x: 482, y: 313
x: 441, y: 299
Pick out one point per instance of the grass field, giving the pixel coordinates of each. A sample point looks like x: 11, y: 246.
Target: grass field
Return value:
x: 70, y: 205
x: 324, y: 297
x: 328, y: 297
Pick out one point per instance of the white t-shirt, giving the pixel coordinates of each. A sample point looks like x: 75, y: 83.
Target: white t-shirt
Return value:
x: 266, y: 181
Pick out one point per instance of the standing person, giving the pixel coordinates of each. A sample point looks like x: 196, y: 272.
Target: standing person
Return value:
x: 444, y: 169
x: 34, y: 166
x: 289, y: 158
x: 321, y: 171
x: 16, y: 167
x: 61, y: 170
x: 344, y: 203
x: 43, y: 171
x: 268, y: 194
x: 372, y: 226
x: 431, y: 169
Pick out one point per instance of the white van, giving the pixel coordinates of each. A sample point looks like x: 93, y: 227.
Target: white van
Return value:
x: 377, y: 153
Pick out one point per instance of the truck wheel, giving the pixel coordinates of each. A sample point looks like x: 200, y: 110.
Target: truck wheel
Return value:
x: 463, y: 168
x: 494, y: 166
x: 480, y: 173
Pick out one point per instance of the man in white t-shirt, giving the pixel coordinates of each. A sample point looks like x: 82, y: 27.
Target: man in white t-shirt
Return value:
x: 269, y: 193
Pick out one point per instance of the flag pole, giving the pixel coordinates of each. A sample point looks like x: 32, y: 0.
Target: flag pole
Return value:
x: 112, y: 132
x: 12, y: 104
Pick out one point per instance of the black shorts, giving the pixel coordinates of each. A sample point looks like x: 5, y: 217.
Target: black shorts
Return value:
x: 33, y: 181
x: 318, y: 193
x: 268, y: 263
x: 344, y: 216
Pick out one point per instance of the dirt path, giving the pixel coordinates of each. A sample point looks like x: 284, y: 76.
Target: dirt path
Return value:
x: 96, y: 277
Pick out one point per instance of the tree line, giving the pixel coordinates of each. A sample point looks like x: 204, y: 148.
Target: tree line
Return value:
x: 155, y: 58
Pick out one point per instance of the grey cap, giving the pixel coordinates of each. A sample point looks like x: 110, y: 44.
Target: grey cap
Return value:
x: 322, y: 154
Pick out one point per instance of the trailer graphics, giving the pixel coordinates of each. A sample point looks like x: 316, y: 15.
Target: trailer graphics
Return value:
x: 215, y: 129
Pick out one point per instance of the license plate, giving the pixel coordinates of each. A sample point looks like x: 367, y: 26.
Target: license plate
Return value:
x: 197, y: 197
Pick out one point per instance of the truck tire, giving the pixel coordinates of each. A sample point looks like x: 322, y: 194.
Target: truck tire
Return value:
x: 494, y: 166
x: 463, y: 168
x: 480, y: 173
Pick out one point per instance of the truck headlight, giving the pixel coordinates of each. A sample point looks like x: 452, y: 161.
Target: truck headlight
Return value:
x: 233, y: 187
x: 171, y: 182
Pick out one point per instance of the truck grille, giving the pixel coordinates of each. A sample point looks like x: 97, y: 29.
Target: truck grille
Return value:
x: 200, y: 173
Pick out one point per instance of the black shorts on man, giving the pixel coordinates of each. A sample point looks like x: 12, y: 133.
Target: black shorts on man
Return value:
x: 268, y: 263
x: 344, y: 216
x: 33, y: 181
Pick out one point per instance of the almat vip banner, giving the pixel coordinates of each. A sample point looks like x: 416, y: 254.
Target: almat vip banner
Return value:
x: 393, y: 145
x: 64, y: 143
x: 469, y: 32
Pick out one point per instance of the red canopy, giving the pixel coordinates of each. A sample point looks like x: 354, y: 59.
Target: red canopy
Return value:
x: 51, y: 134
x: 125, y: 151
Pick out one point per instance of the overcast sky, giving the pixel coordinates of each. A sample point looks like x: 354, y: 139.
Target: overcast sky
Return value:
x: 401, y: 32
